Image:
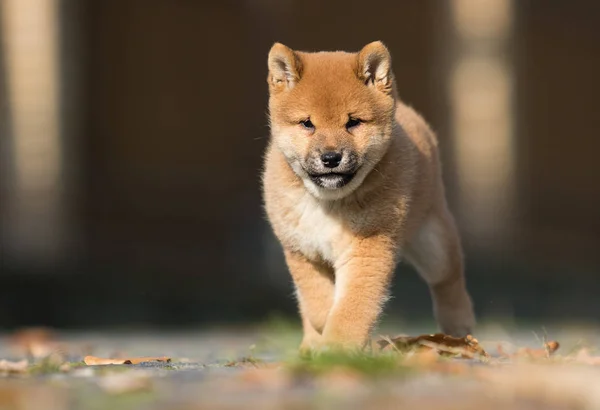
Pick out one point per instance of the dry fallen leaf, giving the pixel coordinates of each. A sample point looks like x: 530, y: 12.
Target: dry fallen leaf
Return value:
x: 551, y: 346
x: 7, y: 366
x: 527, y: 353
x: 467, y: 347
x: 97, y: 361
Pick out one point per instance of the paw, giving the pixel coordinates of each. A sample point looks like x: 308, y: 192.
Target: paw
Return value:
x: 344, y: 341
x: 457, y: 321
x: 311, y: 343
x: 457, y: 329
x: 329, y: 344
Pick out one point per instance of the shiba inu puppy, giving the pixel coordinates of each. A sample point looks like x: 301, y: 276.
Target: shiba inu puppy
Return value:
x: 352, y: 184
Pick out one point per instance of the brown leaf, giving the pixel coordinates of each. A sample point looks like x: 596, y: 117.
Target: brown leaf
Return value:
x: 525, y: 352
x: 98, y: 361
x: 467, y: 346
x: 551, y: 346
x: 7, y: 366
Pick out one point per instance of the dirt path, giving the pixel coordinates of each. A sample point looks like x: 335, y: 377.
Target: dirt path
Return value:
x: 257, y: 368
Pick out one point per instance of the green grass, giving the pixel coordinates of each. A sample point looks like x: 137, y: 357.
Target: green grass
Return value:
x: 371, y: 364
x: 47, y: 365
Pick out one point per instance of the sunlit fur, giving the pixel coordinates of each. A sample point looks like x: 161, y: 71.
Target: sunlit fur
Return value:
x: 342, y: 242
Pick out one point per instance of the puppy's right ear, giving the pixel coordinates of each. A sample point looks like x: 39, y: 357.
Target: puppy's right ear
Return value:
x: 375, y: 67
x: 285, y: 68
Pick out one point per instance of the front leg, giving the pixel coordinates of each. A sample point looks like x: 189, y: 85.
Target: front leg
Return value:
x: 362, y: 279
x: 314, y: 290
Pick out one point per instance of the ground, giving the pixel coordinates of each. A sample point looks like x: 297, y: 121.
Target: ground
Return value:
x: 258, y: 367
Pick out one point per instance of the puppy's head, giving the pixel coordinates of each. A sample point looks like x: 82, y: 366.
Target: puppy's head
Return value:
x: 331, y: 114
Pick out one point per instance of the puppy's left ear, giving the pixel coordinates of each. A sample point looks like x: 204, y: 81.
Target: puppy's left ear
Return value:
x: 375, y: 67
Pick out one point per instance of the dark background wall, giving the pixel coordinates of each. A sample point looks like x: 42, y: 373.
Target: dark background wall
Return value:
x: 163, y: 111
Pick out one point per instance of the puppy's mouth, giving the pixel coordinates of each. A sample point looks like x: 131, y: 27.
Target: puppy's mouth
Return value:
x: 332, y: 180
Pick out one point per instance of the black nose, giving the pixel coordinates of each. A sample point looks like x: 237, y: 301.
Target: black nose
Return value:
x: 331, y: 159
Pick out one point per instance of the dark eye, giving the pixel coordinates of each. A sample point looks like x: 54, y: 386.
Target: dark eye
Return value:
x: 307, y: 124
x: 352, y: 122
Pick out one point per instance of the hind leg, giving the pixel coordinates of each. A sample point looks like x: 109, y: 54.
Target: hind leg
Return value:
x: 435, y: 251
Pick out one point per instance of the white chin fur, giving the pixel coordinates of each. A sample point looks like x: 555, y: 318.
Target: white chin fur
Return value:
x: 332, y: 182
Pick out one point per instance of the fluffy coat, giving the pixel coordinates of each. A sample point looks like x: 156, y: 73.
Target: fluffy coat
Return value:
x: 344, y: 229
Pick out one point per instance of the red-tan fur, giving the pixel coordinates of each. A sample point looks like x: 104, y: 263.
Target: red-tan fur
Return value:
x: 342, y: 245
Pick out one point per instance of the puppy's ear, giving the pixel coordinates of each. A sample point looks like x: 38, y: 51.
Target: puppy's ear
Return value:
x: 285, y: 68
x: 375, y: 67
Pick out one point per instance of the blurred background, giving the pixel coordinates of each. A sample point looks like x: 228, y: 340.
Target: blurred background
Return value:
x: 132, y: 133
